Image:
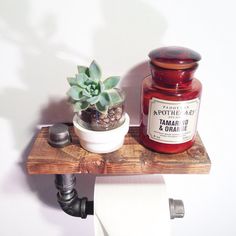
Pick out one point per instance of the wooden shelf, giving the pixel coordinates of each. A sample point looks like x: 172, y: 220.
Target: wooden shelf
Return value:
x: 132, y: 158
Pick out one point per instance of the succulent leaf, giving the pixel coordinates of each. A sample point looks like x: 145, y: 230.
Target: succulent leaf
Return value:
x: 80, y: 106
x: 86, y: 93
x: 74, y: 93
x: 101, y: 108
x: 111, y: 82
x: 83, y: 98
x: 93, y: 100
x: 81, y: 79
x: 115, y: 97
x: 96, y: 92
x: 104, y: 99
x: 102, y: 86
x: 83, y: 69
x: 95, y: 71
x: 72, y: 81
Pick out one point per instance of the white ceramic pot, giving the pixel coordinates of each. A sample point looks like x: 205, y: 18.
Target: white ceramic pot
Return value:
x: 101, y: 141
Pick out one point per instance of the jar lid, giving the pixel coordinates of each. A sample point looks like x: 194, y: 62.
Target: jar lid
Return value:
x: 174, y: 57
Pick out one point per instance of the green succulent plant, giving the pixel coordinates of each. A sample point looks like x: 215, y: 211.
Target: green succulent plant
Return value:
x: 89, y: 90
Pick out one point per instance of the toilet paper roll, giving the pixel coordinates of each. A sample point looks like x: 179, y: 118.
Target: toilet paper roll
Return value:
x: 131, y: 206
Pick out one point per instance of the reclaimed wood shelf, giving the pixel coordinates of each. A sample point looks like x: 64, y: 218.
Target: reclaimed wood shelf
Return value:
x: 132, y: 158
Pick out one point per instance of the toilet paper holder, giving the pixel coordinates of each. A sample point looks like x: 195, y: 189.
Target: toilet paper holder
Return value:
x: 71, y: 204
x: 67, y: 196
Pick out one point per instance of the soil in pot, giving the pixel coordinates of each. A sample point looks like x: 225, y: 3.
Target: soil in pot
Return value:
x: 94, y: 120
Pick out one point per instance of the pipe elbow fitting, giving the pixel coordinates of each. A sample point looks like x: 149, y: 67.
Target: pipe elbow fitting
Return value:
x: 68, y: 199
x: 74, y: 206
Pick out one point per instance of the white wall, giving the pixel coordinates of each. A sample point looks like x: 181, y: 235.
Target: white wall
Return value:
x: 40, y: 44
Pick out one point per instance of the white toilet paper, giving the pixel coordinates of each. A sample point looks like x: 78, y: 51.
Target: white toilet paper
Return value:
x: 131, y: 206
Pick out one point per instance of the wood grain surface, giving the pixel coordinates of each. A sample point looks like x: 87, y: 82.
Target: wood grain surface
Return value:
x: 132, y: 158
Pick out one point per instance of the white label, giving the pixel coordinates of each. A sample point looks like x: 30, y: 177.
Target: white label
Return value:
x: 172, y: 122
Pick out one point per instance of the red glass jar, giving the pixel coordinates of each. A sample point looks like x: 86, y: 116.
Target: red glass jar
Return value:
x: 170, y: 100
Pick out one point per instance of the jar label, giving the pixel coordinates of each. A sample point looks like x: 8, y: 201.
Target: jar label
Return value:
x: 172, y: 122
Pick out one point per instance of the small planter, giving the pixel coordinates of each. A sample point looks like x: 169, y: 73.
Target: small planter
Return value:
x: 100, y: 120
x: 101, y: 141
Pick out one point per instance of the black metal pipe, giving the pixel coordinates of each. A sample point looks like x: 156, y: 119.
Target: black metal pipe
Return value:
x: 68, y: 198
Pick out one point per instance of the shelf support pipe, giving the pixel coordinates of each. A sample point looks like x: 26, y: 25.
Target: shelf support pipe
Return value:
x: 68, y: 199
